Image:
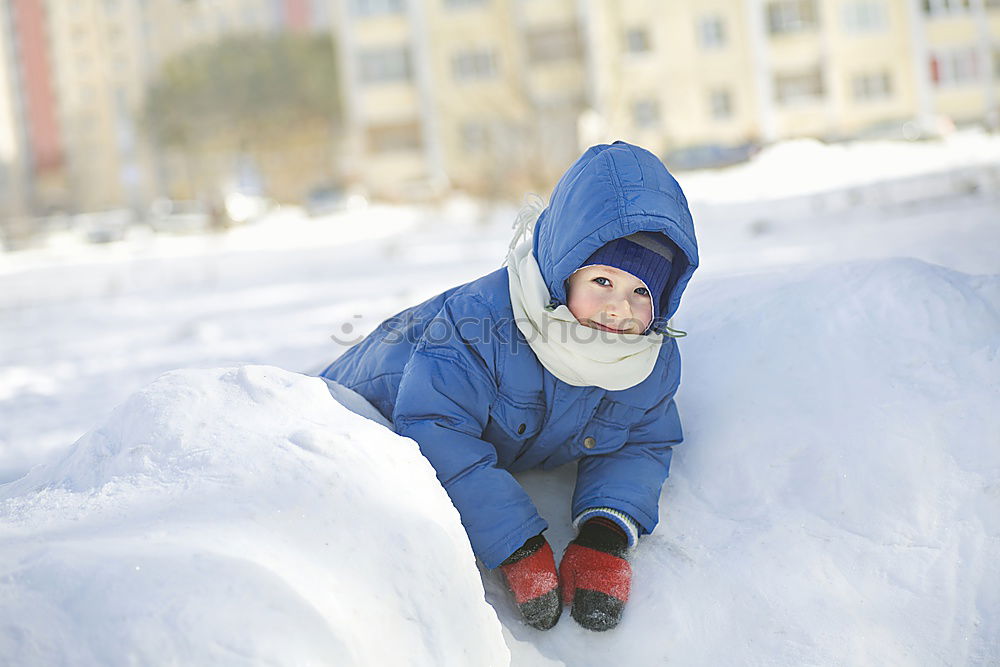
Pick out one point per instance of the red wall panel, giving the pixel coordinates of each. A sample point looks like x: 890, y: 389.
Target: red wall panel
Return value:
x: 35, y: 66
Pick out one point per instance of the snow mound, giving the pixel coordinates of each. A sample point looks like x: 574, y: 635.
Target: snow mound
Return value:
x: 837, y: 498
x: 239, y: 516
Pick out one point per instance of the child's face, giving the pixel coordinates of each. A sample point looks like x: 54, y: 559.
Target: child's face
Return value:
x: 609, y: 299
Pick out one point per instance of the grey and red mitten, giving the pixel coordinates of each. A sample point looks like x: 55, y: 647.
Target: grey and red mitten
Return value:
x: 530, y: 574
x: 595, y: 575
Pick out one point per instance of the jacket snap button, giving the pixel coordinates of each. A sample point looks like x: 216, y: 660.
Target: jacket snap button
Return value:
x: 589, y: 442
x: 521, y: 429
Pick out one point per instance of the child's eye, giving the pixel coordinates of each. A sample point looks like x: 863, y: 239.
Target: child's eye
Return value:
x: 601, y: 280
x: 642, y: 291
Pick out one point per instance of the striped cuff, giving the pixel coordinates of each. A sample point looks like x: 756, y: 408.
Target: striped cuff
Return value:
x: 627, y: 523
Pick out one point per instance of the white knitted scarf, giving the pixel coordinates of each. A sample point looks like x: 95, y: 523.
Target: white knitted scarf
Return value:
x: 574, y: 353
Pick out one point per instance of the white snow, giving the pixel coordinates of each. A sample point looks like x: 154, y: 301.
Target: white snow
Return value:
x: 239, y: 516
x: 837, y: 499
x: 808, y: 166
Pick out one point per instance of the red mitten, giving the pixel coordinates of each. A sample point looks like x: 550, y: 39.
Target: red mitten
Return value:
x: 530, y: 574
x: 594, y: 575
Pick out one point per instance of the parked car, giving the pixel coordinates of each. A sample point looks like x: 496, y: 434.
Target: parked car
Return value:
x: 178, y: 216
x: 327, y: 199
x: 709, y: 156
x: 104, y: 226
x: 910, y: 129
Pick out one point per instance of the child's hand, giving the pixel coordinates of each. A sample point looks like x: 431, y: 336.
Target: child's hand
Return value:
x: 594, y: 575
x: 530, y: 574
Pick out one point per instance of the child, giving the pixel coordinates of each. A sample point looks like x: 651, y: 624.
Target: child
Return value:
x: 562, y: 355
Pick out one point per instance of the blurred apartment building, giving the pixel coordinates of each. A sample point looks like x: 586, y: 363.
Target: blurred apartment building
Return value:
x: 478, y: 94
x: 73, y: 76
x: 491, y: 95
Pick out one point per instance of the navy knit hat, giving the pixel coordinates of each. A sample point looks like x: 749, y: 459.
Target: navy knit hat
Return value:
x: 646, y: 255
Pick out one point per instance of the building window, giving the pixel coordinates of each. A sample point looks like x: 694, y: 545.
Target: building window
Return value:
x: 376, y: 7
x: 121, y: 63
x: 475, y: 138
x: 865, y: 16
x: 460, y: 4
x: 720, y: 103
x: 954, y: 67
x: 394, y: 138
x: 871, y: 87
x: 549, y: 45
x: 637, y: 40
x: 944, y: 7
x: 711, y: 32
x: 646, y: 114
x: 798, y: 87
x: 790, y: 16
x: 124, y: 129
x: 385, y: 65
x: 474, y: 65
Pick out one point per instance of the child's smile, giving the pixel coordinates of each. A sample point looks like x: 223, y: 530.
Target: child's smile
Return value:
x: 609, y: 299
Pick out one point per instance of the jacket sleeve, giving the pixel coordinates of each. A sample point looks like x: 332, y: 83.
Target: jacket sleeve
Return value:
x: 630, y: 479
x: 444, y: 399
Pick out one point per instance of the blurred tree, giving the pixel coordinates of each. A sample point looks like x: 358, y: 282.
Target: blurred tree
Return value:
x: 272, y: 97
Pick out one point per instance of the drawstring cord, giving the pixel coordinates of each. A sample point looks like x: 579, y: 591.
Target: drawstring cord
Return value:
x: 524, y: 223
x: 672, y: 333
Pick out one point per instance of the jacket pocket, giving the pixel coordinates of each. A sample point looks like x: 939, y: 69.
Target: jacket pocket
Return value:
x: 512, y: 429
x: 520, y: 421
x: 608, y: 429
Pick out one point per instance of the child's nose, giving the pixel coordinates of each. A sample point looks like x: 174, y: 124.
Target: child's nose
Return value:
x: 619, y: 307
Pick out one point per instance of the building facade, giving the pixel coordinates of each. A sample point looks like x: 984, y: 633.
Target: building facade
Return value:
x: 105, y: 55
x: 31, y: 139
x: 484, y: 95
x: 13, y: 148
x: 75, y: 76
x: 764, y: 70
x: 492, y: 95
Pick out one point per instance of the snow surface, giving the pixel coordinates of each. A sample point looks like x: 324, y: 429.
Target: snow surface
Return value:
x: 836, y: 501
x: 239, y: 516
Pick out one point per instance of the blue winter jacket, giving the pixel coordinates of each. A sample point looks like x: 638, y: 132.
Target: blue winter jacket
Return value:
x: 456, y: 375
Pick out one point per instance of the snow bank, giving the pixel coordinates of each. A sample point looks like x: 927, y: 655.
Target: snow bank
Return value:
x: 837, y: 500
x: 840, y: 500
x: 238, y: 516
x: 806, y: 166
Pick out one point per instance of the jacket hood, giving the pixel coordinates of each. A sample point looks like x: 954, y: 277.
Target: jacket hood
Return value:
x: 611, y: 191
